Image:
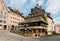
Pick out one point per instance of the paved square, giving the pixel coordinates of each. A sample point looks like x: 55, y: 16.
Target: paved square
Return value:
x: 7, y: 36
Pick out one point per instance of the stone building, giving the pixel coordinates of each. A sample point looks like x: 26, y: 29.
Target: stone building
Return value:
x: 14, y: 17
x: 35, y: 23
x: 57, y: 28
x: 50, y: 28
x: 37, y: 13
x: 8, y: 17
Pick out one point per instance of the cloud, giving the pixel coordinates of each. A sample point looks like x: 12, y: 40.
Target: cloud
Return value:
x: 24, y: 6
x: 53, y: 6
x: 6, y: 2
x: 40, y: 2
x: 56, y: 20
x: 17, y: 3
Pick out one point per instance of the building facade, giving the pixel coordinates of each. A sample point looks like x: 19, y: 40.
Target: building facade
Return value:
x: 50, y: 28
x: 57, y: 28
x: 35, y: 23
x: 9, y: 18
x: 3, y: 15
x: 37, y: 13
x: 38, y: 22
x: 14, y: 17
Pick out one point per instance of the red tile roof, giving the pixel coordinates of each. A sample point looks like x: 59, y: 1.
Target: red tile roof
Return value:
x: 57, y: 25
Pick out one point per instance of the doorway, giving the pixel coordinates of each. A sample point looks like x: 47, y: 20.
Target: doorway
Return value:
x: 5, y: 27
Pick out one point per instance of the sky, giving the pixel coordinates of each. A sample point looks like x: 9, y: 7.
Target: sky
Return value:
x: 24, y: 6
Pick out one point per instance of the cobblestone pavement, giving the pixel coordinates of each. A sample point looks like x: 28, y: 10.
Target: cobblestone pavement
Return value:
x: 7, y: 36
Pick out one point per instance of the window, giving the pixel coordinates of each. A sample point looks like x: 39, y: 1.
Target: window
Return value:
x: 3, y: 7
x: 0, y: 21
x: 0, y: 26
x: 34, y: 30
x: 11, y: 17
x: 4, y: 17
x: 4, y: 21
x: 5, y: 13
x: 13, y: 14
x: 10, y: 21
x: 0, y: 16
x: 1, y: 12
x: 59, y: 29
x: 15, y: 18
x: 13, y: 21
